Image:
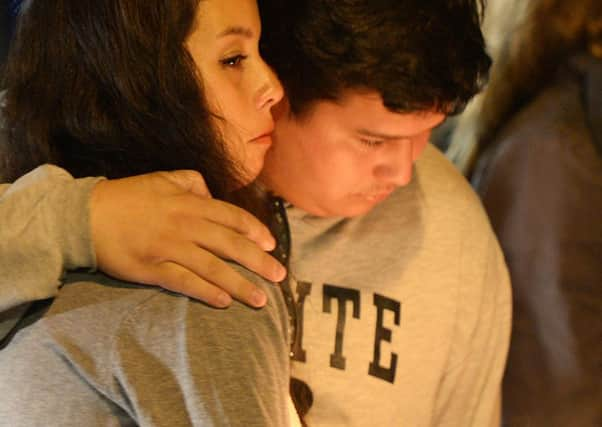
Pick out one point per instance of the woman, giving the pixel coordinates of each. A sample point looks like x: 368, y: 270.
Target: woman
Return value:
x: 208, y: 213
x: 537, y: 133
x: 118, y: 78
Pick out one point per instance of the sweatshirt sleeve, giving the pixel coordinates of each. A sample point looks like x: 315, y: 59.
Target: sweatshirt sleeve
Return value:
x: 3, y: 188
x: 44, y: 230
x: 470, y: 393
x: 232, y: 371
x: 105, y: 352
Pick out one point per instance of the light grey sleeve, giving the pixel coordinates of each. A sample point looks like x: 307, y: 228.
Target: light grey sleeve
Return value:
x: 3, y: 188
x: 44, y: 230
x: 104, y: 354
x: 470, y: 392
x: 204, y: 367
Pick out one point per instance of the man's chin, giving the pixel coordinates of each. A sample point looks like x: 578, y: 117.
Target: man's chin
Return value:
x: 361, y: 204
x: 352, y: 209
x: 352, y: 213
x: 349, y: 207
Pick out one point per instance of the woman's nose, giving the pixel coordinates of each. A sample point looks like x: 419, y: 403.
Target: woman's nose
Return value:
x: 271, y: 92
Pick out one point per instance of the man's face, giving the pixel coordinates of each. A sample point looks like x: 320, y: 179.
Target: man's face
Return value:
x: 343, y: 158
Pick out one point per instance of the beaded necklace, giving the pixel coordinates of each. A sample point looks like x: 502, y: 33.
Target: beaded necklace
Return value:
x: 282, y: 254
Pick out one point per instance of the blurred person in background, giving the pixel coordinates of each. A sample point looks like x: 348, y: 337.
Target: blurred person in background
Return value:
x: 532, y: 143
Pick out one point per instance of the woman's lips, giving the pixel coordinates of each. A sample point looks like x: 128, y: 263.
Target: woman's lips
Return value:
x: 263, y: 139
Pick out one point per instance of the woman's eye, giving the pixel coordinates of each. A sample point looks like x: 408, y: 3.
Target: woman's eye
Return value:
x: 233, y: 61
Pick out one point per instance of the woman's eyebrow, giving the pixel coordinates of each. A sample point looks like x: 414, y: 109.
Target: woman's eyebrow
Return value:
x: 236, y: 31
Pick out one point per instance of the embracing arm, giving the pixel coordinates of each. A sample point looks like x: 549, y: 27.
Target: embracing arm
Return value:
x: 159, y: 229
x: 38, y: 213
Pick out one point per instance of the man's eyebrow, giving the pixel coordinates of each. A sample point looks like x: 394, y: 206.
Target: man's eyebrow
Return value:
x: 387, y: 137
x: 236, y: 31
x: 378, y: 135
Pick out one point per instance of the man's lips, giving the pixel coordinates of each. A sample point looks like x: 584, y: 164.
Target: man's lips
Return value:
x: 377, y: 196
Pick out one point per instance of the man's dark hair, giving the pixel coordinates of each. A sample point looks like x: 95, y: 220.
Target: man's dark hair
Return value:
x: 417, y: 54
x: 109, y: 88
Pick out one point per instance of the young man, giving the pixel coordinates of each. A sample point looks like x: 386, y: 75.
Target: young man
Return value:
x: 401, y: 308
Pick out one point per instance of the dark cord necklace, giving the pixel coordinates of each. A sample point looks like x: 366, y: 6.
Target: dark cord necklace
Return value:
x: 282, y: 253
x: 300, y: 392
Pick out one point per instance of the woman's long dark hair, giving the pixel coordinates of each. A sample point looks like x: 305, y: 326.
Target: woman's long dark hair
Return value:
x: 109, y: 88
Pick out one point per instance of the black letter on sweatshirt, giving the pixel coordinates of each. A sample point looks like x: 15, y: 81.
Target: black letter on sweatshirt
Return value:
x: 382, y: 333
x: 342, y: 295
x: 303, y: 290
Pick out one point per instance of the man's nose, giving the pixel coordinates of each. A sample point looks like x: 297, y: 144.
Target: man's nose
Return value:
x: 397, y: 164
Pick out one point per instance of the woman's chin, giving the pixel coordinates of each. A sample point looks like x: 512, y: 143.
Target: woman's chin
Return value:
x: 252, y: 168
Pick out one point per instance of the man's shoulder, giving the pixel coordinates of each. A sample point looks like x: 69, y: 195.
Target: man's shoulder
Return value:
x: 440, y: 181
x: 438, y: 190
x: 122, y: 301
x: 94, y: 308
x: 104, y: 331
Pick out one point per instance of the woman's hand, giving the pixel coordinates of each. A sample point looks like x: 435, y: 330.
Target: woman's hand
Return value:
x: 165, y: 229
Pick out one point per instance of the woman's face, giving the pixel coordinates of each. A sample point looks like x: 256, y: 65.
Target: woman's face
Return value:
x: 239, y: 85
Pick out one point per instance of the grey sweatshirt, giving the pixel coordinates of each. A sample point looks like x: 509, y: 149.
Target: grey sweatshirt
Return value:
x: 104, y: 352
x: 44, y: 230
x: 107, y: 353
x: 403, y: 314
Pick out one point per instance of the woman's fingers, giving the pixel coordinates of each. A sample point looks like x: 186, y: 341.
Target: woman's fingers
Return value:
x: 215, y: 283
x: 176, y: 278
x: 230, y: 245
x: 227, y: 231
x: 140, y: 223
x: 234, y: 218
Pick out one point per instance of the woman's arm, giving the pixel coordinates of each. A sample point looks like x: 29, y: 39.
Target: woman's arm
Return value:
x: 158, y: 229
x: 37, y: 214
x: 165, y: 229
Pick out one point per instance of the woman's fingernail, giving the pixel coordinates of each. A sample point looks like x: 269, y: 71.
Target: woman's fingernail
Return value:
x: 258, y: 298
x: 268, y: 245
x: 223, y: 299
x: 279, y: 274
